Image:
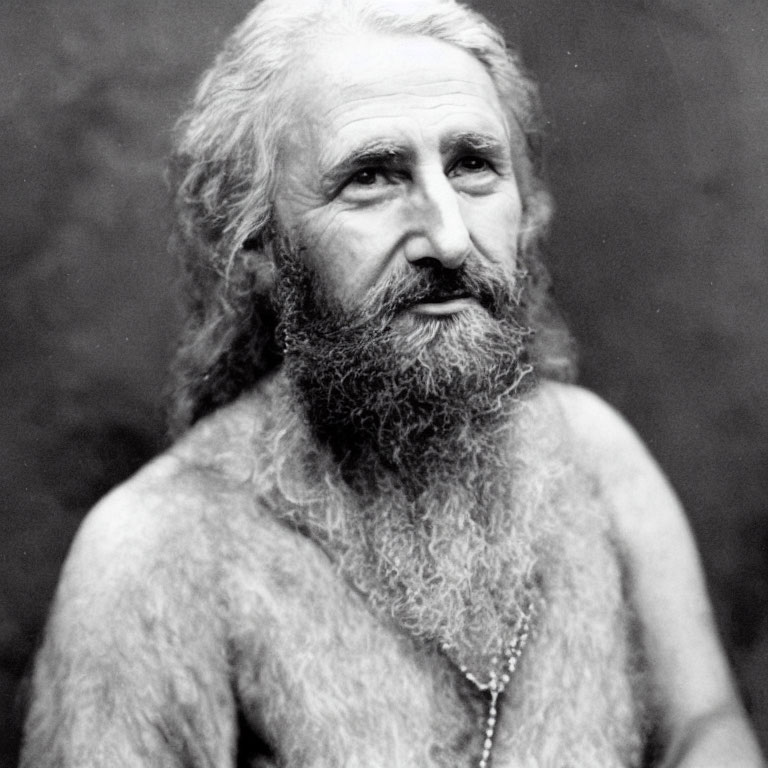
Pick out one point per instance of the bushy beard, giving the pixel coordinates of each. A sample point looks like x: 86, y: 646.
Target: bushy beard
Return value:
x: 453, y: 564
x: 414, y: 397
x: 415, y: 422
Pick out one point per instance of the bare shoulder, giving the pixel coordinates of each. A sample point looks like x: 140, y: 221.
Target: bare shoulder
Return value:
x: 605, y: 446
x: 120, y: 535
x: 702, y: 720
x: 596, y: 427
x: 184, y: 507
x: 139, y: 627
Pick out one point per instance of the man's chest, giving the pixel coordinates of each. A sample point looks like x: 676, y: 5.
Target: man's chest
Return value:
x: 325, y: 682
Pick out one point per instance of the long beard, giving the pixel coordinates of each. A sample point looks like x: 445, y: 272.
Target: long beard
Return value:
x: 394, y: 394
x: 452, y: 566
x: 410, y: 475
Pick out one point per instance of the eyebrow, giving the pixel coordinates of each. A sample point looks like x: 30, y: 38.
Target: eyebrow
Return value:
x: 474, y: 141
x: 378, y: 153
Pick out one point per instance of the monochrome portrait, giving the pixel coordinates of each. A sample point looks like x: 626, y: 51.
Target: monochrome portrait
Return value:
x: 384, y: 384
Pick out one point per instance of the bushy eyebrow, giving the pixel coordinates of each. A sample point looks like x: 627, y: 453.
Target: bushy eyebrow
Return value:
x: 475, y: 142
x: 377, y: 153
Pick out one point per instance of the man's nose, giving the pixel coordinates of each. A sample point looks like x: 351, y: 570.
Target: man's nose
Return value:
x: 439, y: 232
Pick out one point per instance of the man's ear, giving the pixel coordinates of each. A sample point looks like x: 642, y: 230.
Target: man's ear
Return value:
x: 258, y: 252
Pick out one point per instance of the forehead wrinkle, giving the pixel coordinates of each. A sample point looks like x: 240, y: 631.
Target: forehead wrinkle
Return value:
x: 489, y: 126
x: 441, y: 82
x: 449, y: 97
x: 338, y: 117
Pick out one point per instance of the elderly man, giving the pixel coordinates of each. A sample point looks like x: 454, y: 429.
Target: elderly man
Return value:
x: 392, y: 533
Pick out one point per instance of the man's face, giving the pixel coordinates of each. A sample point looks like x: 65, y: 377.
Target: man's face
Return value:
x: 399, y: 158
x: 399, y: 215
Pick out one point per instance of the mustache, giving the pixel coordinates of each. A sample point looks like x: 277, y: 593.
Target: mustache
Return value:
x: 493, y: 290
x: 497, y: 290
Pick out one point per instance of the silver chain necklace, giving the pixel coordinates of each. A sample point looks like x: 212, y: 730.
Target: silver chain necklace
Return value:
x: 497, y: 683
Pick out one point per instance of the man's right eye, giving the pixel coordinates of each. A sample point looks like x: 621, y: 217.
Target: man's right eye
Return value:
x: 369, y: 185
x: 366, y: 177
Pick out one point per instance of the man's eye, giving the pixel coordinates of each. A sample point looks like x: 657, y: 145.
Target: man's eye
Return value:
x: 367, y: 177
x: 369, y: 184
x: 471, y: 164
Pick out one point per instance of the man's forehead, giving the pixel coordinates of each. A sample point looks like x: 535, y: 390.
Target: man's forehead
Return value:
x: 350, y: 57
x: 361, y: 90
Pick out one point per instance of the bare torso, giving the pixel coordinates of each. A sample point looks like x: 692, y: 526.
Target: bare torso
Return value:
x: 326, y: 683
x: 215, y: 610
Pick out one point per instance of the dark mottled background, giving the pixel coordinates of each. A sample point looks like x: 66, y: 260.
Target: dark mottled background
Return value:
x: 658, y: 158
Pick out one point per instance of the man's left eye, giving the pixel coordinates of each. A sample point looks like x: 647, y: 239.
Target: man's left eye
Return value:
x: 367, y: 177
x: 471, y: 164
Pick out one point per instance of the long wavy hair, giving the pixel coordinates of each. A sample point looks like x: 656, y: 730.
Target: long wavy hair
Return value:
x: 223, y: 171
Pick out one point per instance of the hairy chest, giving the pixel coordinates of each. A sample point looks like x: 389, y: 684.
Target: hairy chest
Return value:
x: 326, y: 682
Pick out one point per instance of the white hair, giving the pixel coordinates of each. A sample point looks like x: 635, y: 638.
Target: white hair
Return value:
x: 224, y: 171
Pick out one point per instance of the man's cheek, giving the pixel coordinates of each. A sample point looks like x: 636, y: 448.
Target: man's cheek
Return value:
x: 357, y: 258
x: 494, y: 229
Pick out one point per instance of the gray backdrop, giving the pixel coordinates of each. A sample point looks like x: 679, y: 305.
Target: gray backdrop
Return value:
x: 658, y: 153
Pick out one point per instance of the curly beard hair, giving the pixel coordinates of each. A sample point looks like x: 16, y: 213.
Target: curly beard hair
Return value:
x: 228, y: 341
x: 452, y: 563
x: 413, y: 424
x: 392, y: 393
